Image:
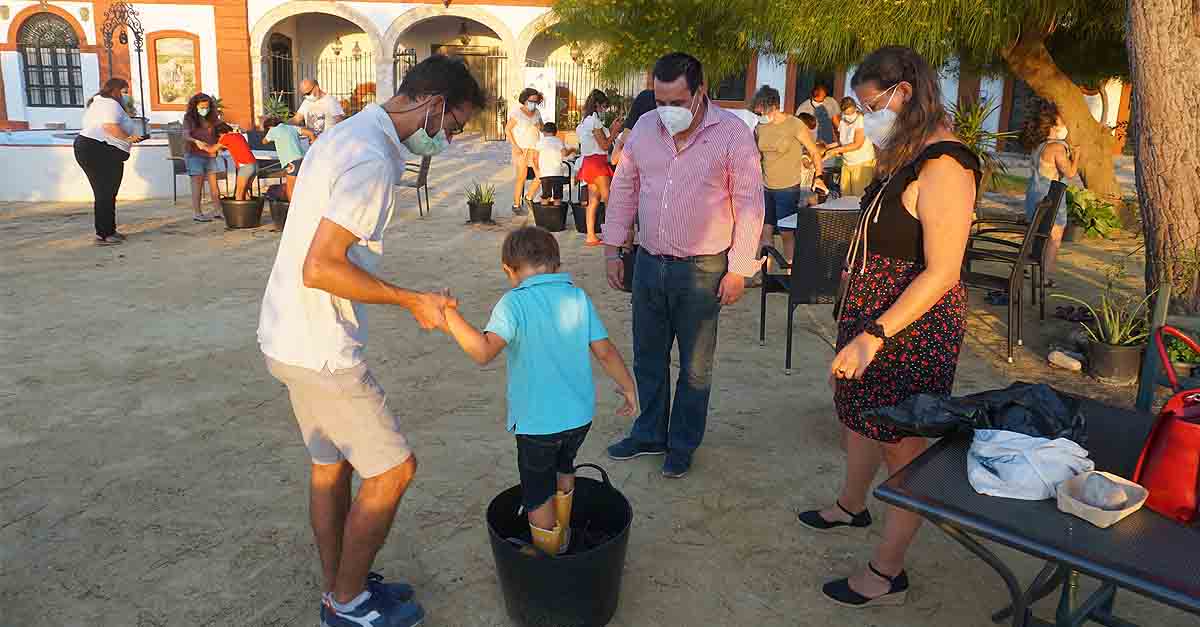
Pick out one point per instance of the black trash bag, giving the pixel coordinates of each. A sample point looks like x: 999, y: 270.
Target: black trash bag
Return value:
x: 1032, y: 409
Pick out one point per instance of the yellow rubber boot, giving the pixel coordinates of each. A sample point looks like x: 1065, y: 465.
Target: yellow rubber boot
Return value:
x: 562, y: 512
x: 547, y: 541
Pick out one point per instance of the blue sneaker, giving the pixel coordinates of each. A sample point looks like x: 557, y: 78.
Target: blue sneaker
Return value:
x: 676, y: 465
x: 377, y: 611
x: 401, y: 592
x: 628, y: 449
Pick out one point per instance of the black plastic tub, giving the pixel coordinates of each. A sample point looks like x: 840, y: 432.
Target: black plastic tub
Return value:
x: 279, y: 209
x: 242, y: 214
x: 579, y: 589
x: 579, y: 211
x: 550, y: 217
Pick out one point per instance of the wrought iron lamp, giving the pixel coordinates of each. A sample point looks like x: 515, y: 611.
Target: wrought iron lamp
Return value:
x: 123, y: 19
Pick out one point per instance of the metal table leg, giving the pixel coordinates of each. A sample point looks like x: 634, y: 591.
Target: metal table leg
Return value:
x: 1020, y: 606
x: 1046, y: 582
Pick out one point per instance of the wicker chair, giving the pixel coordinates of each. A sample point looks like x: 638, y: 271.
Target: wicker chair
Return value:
x: 822, y: 239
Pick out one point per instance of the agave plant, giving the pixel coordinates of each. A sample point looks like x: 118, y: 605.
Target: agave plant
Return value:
x: 970, y: 125
x: 481, y: 194
x: 276, y: 106
x: 1118, y: 319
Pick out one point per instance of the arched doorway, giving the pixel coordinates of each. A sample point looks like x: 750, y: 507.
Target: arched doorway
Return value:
x: 281, y: 72
x: 483, y: 49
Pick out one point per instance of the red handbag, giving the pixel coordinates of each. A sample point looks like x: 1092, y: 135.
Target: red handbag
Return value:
x: 1169, y: 466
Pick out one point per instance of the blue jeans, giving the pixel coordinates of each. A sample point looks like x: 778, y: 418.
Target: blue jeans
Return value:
x: 674, y: 300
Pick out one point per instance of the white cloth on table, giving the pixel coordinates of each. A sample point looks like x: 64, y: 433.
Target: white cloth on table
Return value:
x: 1018, y: 466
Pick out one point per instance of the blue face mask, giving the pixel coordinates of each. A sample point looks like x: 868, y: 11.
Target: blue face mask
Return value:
x: 421, y: 144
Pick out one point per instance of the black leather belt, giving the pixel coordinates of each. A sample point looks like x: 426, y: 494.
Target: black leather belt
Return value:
x: 674, y: 259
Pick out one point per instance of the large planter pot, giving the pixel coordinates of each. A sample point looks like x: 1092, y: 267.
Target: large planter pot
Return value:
x: 479, y: 212
x: 550, y: 217
x: 1073, y: 232
x: 579, y: 212
x: 242, y: 214
x: 1116, y: 365
x: 279, y: 211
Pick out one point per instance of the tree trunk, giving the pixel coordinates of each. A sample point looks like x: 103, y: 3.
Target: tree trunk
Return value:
x: 1030, y: 61
x: 1166, y: 122
x: 1104, y: 103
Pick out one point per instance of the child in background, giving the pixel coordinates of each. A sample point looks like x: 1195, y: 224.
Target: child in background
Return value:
x: 551, y: 154
x: 243, y: 158
x: 549, y: 328
x: 287, y: 144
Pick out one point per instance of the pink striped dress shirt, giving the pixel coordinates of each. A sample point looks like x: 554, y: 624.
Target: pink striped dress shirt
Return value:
x: 702, y: 200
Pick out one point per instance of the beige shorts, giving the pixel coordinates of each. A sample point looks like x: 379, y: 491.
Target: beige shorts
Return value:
x: 344, y: 415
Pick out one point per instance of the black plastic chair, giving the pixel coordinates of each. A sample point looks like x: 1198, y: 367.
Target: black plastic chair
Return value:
x: 822, y: 238
x: 421, y: 182
x: 985, y: 228
x: 1015, y: 255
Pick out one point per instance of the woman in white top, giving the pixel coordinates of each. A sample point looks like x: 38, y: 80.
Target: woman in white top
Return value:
x: 524, y: 130
x: 1053, y: 160
x: 594, y: 144
x: 858, y: 154
x: 101, y: 149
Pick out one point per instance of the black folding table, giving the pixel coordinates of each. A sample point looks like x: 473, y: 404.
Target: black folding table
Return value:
x: 1145, y: 553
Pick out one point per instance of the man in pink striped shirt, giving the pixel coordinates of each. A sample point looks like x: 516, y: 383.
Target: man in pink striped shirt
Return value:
x: 690, y: 174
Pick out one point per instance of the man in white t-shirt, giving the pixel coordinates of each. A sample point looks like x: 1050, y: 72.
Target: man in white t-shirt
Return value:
x: 312, y: 329
x: 319, y: 112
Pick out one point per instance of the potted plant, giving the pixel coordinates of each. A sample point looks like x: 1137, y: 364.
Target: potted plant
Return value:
x: 1117, y: 332
x: 242, y: 214
x: 970, y: 126
x: 1088, y: 215
x: 276, y: 106
x: 1185, y: 360
x: 480, y: 199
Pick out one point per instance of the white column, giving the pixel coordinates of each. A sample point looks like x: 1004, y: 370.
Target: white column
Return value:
x: 772, y: 71
x: 14, y: 85
x: 992, y: 88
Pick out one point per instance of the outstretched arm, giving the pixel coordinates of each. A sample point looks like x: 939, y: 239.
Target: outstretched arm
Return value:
x: 479, y: 346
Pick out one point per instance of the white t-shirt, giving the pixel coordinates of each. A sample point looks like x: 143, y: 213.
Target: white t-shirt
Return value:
x: 587, y: 139
x: 321, y: 115
x: 866, y: 154
x: 347, y: 177
x: 528, y: 130
x: 746, y: 116
x: 104, y: 110
x: 550, y: 156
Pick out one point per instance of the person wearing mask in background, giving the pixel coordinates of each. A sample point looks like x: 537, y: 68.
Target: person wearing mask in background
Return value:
x: 319, y: 112
x: 312, y: 331
x: 825, y: 110
x: 690, y: 176
x: 858, y: 155
x: 243, y: 158
x: 524, y: 131
x: 642, y: 104
x: 783, y: 141
x: 1053, y: 160
x: 200, y: 129
x: 594, y: 144
x: 101, y: 149
x: 286, y: 139
x: 903, y: 319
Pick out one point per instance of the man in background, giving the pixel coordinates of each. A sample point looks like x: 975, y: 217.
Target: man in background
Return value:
x: 319, y: 112
x: 825, y: 110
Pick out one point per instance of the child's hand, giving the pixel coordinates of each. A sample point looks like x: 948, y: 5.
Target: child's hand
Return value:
x: 630, y: 407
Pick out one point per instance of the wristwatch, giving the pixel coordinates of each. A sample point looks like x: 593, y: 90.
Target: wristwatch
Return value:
x: 874, y: 328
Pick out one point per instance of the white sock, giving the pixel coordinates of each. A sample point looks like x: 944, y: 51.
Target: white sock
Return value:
x: 352, y: 605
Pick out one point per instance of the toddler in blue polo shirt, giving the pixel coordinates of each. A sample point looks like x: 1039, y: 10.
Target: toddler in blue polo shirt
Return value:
x: 550, y: 330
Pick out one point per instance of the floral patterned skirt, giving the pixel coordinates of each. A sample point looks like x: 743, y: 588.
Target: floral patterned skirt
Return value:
x: 921, y: 358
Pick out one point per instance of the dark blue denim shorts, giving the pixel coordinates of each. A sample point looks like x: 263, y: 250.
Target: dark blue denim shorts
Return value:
x: 541, y: 458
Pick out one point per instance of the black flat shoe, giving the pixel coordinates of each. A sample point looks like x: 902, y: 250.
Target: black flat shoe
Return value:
x: 813, y: 519
x: 841, y: 593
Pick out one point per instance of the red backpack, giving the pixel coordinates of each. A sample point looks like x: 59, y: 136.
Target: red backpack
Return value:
x: 1169, y: 466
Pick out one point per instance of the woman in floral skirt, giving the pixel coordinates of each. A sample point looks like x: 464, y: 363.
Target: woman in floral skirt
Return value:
x: 902, y: 323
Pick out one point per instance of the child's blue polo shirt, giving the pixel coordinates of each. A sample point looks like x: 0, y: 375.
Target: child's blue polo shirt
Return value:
x: 549, y: 325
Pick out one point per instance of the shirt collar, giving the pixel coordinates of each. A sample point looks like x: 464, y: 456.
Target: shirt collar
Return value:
x: 385, y: 124
x: 545, y: 279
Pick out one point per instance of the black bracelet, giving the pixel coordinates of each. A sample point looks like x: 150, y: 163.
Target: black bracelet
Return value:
x: 874, y: 328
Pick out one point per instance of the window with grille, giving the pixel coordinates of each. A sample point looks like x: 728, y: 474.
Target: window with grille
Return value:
x: 49, y: 52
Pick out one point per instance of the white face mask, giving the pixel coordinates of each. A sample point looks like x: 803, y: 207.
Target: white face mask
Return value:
x: 878, y: 125
x: 202, y: 111
x: 531, y: 105
x: 850, y: 117
x: 421, y: 144
x: 764, y: 118
x: 677, y: 119
x: 1059, y: 133
x: 310, y: 98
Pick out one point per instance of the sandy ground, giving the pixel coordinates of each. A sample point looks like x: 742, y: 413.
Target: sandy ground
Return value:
x: 151, y: 473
